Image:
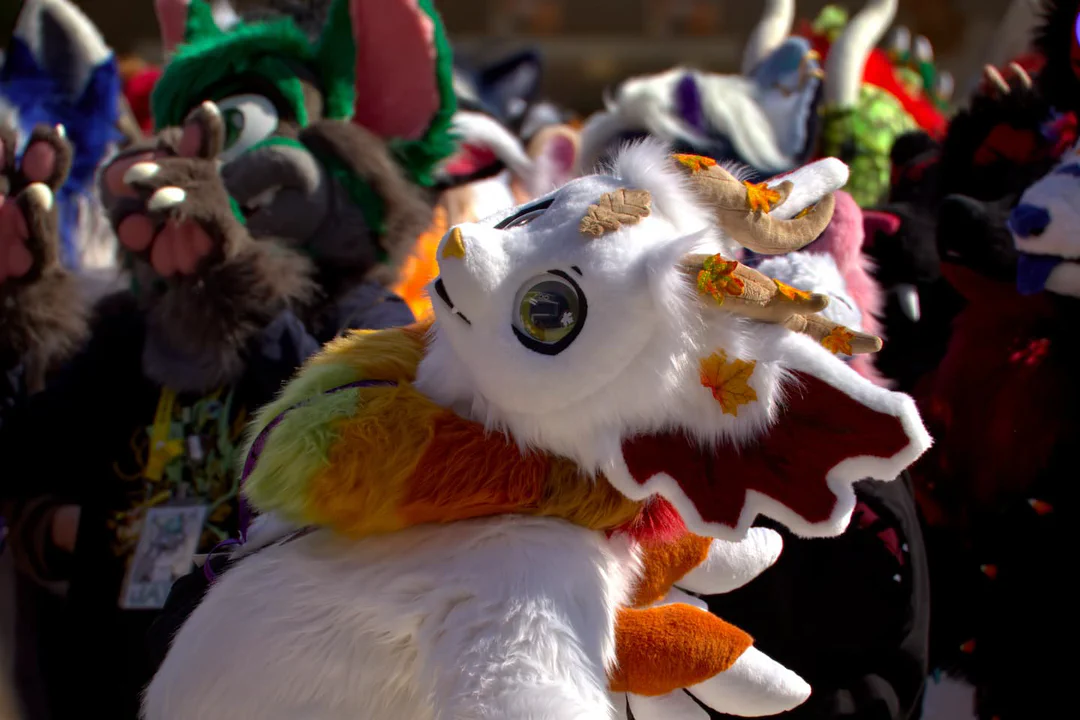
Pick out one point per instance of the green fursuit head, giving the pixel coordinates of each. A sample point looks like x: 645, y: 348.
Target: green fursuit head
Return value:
x: 208, y: 63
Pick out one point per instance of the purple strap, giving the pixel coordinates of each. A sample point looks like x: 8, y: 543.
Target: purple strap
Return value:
x: 253, y: 458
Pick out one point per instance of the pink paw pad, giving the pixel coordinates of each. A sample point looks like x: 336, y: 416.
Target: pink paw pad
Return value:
x: 175, y: 249
x: 39, y: 162
x: 15, y: 258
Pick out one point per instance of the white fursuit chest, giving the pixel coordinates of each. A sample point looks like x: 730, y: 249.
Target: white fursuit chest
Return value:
x: 437, y: 622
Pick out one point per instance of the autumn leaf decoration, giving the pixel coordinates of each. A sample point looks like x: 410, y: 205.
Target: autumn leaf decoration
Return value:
x: 615, y: 209
x: 728, y: 381
x: 760, y: 196
x: 792, y: 294
x: 717, y: 278
x: 838, y: 341
x: 695, y: 163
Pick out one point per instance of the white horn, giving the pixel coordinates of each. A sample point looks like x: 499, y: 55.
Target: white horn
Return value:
x: 908, y: 297
x: 772, y: 29
x: 847, y: 56
x: 923, y: 51
x: 1022, y: 74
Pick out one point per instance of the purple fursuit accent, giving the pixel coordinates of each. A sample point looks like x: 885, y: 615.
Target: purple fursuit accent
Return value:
x: 252, y: 459
x: 688, y: 103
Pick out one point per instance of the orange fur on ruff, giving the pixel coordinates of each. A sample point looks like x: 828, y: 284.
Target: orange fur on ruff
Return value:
x: 406, y: 461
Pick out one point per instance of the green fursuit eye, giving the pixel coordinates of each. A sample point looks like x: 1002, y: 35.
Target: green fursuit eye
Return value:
x: 548, y: 311
x: 234, y: 126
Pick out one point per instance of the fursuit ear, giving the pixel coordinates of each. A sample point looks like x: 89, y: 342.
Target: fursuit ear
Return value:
x: 60, y: 71
x: 808, y: 430
x: 554, y: 150
x: 511, y: 84
x: 63, y: 43
x: 485, y: 148
x: 403, y: 79
x: 184, y: 21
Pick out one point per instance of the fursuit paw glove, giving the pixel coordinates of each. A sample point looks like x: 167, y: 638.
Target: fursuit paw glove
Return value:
x: 669, y: 642
x: 43, y: 318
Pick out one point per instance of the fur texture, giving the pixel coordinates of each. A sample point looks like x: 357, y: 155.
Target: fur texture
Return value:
x: 569, y: 413
x: 58, y: 70
x: 1055, y: 38
x: 43, y: 323
x: 1043, y: 226
x: 521, y: 608
x: 758, y: 121
x: 843, y: 241
x: 513, y: 616
x: 198, y: 328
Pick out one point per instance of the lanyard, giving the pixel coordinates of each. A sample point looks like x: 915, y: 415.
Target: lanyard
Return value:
x: 162, y: 449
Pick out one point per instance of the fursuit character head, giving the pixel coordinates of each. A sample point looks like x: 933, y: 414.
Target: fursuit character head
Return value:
x: 595, y: 277
x: 641, y: 379
x: 1043, y: 225
x: 765, y: 118
x: 335, y: 114
x: 871, y: 98
x: 949, y: 201
x: 58, y: 71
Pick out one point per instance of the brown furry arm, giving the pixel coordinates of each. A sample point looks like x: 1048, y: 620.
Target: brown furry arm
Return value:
x: 407, y: 209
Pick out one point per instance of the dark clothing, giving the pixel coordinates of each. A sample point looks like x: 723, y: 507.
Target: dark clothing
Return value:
x: 850, y: 615
x: 85, y: 441
x: 368, y: 306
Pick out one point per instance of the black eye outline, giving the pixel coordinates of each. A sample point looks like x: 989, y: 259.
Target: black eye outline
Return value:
x: 529, y: 212
x: 563, y: 343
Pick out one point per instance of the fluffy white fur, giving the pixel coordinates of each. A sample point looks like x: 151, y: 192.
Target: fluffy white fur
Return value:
x: 730, y: 565
x: 817, y: 273
x: 756, y: 684
x: 547, y: 163
x: 512, y: 618
x: 502, y: 618
x: 634, y: 366
x: 485, y: 131
x: 767, y: 125
x: 1058, y: 193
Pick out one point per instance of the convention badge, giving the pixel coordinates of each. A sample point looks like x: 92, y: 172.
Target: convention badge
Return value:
x: 167, y: 543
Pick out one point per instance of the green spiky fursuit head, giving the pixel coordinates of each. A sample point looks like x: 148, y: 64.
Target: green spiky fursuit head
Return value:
x: 204, y: 67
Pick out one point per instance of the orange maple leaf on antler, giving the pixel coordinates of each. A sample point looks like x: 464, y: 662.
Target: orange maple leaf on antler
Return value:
x: 793, y: 294
x: 760, y: 196
x: 728, y: 381
x: 696, y: 163
x: 839, y: 340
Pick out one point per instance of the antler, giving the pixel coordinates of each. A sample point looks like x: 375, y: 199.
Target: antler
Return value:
x: 742, y: 209
x: 994, y: 77
x: 847, y: 57
x: 1021, y: 73
x: 772, y: 28
x: 741, y: 290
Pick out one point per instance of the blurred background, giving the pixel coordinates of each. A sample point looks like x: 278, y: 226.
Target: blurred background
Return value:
x: 590, y: 44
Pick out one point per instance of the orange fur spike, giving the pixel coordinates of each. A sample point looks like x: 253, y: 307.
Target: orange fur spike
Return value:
x: 664, y: 564
x: 667, y: 648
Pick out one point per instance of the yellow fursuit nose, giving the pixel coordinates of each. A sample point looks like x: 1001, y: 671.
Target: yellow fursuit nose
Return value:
x: 454, y: 247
